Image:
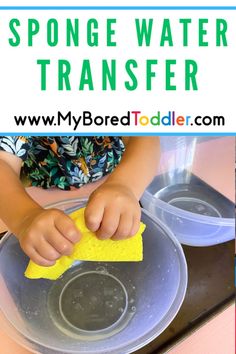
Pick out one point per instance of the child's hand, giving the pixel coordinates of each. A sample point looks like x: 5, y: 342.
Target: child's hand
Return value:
x: 46, y: 235
x: 113, y: 211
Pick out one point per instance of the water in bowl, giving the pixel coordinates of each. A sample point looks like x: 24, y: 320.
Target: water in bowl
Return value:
x: 190, y: 198
x: 91, y: 304
x: 196, y: 197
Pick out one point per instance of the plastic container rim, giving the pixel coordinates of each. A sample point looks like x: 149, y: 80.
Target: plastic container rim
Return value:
x: 212, y: 220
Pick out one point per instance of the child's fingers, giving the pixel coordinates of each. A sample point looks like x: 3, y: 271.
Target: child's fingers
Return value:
x: 124, y: 228
x: 34, y: 255
x: 60, y: 243
x: 68, y: 229
x: 45, y: 250
x: 94, y: 214
x: 110, y: 223
x: 38, y: 259
x: 136, y: 225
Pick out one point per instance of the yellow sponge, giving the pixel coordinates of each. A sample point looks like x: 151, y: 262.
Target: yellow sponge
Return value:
x: 90, y: 248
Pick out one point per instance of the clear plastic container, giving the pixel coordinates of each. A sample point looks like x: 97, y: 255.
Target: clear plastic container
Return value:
x: 94, y: 307
x: 195, y: 212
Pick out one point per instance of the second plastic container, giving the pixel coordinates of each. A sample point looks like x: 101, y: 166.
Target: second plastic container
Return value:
x: 195, y: 212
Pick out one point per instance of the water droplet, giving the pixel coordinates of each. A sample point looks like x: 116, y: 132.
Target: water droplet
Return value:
x: 109, y: 304
x: 79, y: 307
x: 101, y: 269
x: 121, y: 309
x: 133, y: 308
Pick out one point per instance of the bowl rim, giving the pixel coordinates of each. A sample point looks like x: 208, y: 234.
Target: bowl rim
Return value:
x: 211, y: 220
x: 165, y: 321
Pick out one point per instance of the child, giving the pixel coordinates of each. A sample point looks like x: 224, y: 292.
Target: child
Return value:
x: 113, y: 209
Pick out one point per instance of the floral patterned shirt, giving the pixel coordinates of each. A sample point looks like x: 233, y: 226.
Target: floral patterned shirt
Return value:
x: 65, y: 161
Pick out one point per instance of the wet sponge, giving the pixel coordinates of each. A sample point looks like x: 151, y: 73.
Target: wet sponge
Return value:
x: 90, y: 248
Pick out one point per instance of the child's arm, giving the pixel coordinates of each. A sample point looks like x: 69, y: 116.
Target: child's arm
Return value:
x: 139, y: 163
x: 113, y: 209
x: 44, y: 235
